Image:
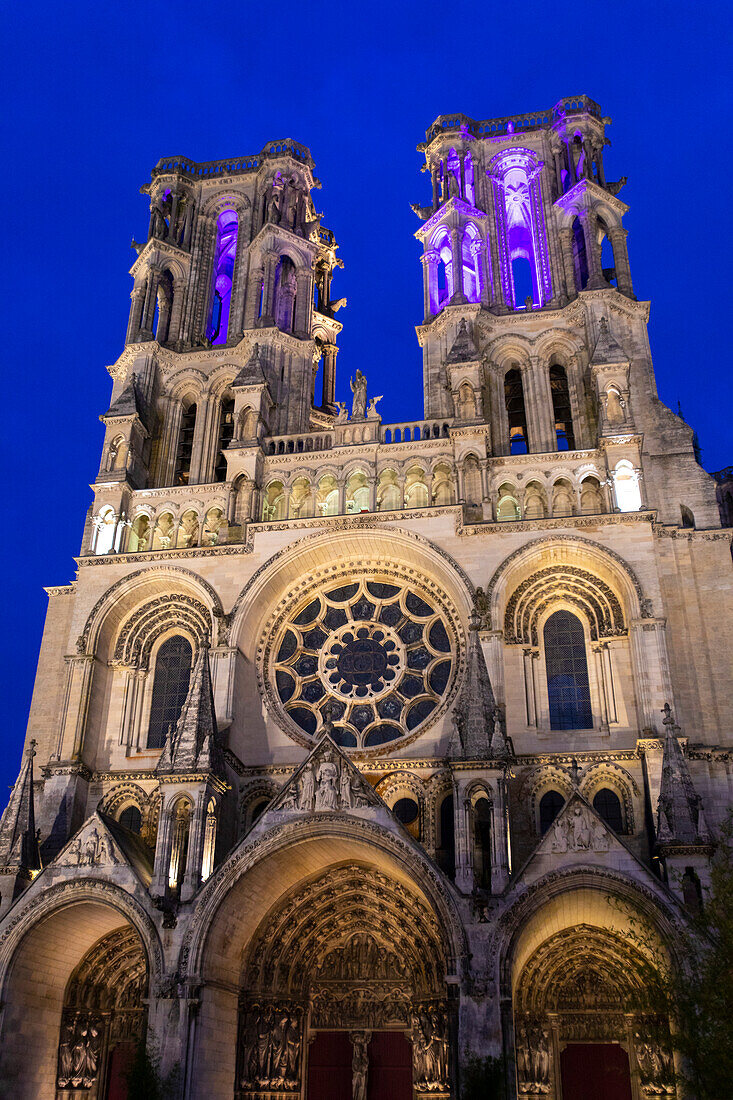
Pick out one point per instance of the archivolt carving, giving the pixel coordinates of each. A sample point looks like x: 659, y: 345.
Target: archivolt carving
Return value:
x: 254, y: 792
x: 569, y: 541
x: 594, y: 598
x: 619, y: 781
x: 350, y: 924
x: 127, y: 794
x: 128, y: 583
x: 139, y: 632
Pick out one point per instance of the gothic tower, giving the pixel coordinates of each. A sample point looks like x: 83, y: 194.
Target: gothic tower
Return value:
x: 356, y: 745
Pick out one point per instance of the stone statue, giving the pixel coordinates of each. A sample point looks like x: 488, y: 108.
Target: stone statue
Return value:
x: 66, y: 1060
x: 359, y: 389
x: 371, y: 413
x: 326, y: 792
x: 105, y: 853
x: 482, y: 606
x: 343, y: 415
x: 359, y: 1065
x: 306, y: 789
x: 345, y: 788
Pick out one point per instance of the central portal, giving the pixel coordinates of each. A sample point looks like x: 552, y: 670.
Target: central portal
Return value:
x: 336, y: 1071
x: 343, y: 991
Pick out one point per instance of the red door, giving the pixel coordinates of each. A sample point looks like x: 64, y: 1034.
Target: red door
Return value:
x: 597, y: 1070
x: 390, y: 1067
x: 119, y: 1066
x: 329, y: 1066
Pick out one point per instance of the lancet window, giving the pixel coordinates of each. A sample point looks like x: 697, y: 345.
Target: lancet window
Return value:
x: 561, y: 409
x: 608, y: 805
x: 223, y: 277
x: 184, y: 450
x: 446, y: 851
x: 226, y: 434
x: 516, y: 412
x: 170, y: 687
x: 566, y: 663
x: 550, y: 805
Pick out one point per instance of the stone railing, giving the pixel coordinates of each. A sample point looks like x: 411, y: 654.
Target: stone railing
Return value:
x: 210, y: 169
x: 414, y: 431
x: 579, y: 104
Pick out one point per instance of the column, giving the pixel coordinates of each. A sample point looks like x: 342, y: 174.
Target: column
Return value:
x: 456, y: 248
x: 462, y: 161
x: 151, y: 294
x: 495, y: 280
x: 137, y: 306
x: 499, y: 840
x: 330, y: 351
x: 592, y: 251
x: 545, y: 412
x: 536, y: 441
x: 464, y: 869
x: 341, y: 483
x: 529, y: 694
x: 159, y: 882
x: 268, y: 293
x: 429, y: 262
x: 617, y: 236
x: 478, y: 251
x: 599, y: 166
x: 598, y: 660
x: 79, y: 674
x: 176, y: 315
x: 434, y: 178
x: 558, y: 172
x: 192, y: 876
x: 566, y: 248
x: 373, y: 493
x: 303, y: 302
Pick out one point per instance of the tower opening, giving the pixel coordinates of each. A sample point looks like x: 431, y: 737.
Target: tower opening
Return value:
x: 224, y: 257
x: 561, y: 410
x: 516, y: 412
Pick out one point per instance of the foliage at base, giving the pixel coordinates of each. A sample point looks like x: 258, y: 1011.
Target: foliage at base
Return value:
x: 482, y: 1078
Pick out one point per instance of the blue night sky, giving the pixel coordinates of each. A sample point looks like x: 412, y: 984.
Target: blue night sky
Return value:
x: 94, y: 94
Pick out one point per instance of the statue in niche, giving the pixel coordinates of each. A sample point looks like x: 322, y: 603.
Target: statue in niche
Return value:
x: 482, y: 606
x: 327, y: 778
x: 615, y: 409
x: 105, y: 853
x: 359, y: 389
x: 66, y: 1058
x: 90, y: 848
x: 359, y: 1065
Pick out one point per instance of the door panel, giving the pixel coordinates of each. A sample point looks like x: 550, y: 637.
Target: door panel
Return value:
x: 390, y: 1067
x: 597, y: 1070
x: 329, y: 1066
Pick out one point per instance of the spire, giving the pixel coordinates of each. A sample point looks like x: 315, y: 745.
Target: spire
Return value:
x: 607, y: 350
x: 479, y: 732
x: 680, y: 817
x: 463, y: 350
x: 251, y: 373
x: 18, y: 840
x: 194, y: 744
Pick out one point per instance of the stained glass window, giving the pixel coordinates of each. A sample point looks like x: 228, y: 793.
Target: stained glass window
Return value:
x: 567, y: 673
x: 170, y: 687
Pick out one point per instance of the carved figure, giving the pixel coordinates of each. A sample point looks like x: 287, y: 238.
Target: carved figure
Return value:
x: 73, y: 855
x: 359, y: 1066
x: 482, y: 606
x: 559, y: 836
x: 359, y: 389
x: 371, y: 412
x: 343, y: 415
x: 66, y: 1060
x: 90, y: 849
x: 345, y: 788
x: 306, y: 789
x: 326, y: 792
x: 105, y: 853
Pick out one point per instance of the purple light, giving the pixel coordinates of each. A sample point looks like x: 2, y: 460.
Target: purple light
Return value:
x: 224, y: 257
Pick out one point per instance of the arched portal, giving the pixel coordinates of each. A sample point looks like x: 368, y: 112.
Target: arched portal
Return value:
x: 74, y: 992
x: 349, y: 953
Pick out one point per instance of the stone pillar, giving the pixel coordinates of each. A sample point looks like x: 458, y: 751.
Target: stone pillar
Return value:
x: 137, y: 306
x: 464, y: 848
x: 496, y: 285
x: 533, y: 411
x: 651, y: 670
x: 303, y: 302
x: 159, y: 882
x: 341, y: 483
x: 268, y: 294
x: 499, y: 840
x: 75, y: 707
x: 456, y: 248
x: 148, y: 312
x: 330, y: 351
x: 373, y: 493
x: 617, y: 236
x: 545, y: 412
x: 176, y: 314
x: 252, y: 297
x: 592, y: 251
x: 566, y: 247
x: 434, y: 178
x: 558, y: 171
x: 429, y: 262
x: 462, y: 162
x: 192, y: 876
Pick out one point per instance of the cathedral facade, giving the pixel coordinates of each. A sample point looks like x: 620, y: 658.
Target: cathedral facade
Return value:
x: 361, y: 749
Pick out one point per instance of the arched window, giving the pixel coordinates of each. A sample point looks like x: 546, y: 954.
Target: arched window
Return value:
x: 469, y: 259
x: 285, y: 290
x: 580, y: 256
x: 185, y: 444
x: 226, y: 434
x: 608, y: 806
x: 181, y: 825
x: 516, y: 414
x: 567, y: 673
x: 164, y: 307
x: 482, y: 843
x: 688, y: 518
x: 550, y: 805
x: 207, y: 864
x: 170, y: 687
x: 472, y: 481
x: 561, y: 411
x: 224, y: 256
x: 131, y: 818
x: 446, y: 852
x: 608, y: 260
x: 626, y: 487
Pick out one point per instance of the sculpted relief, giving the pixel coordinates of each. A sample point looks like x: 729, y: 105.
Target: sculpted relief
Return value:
x: 270, y: 1047
x: 360, y: 959
x: 578, y: 831
x: 79, y: 1051
x: 533, y: 1058
x: 89, y: 850
x: 326, y: 783
x: 430, y: 1048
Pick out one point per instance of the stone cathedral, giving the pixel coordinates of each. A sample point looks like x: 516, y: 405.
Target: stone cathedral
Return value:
x: 358, y: 749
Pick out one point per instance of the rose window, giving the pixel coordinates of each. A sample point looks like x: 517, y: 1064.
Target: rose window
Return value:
x: 373, y: 659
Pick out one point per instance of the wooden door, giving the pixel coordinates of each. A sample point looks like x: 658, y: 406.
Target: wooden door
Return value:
x: 329, y: 1066
x: 390, y: 1067
x: 597, y: 1070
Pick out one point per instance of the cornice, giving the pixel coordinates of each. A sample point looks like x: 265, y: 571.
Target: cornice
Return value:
x: 691, y: 534
x: 358, y: 520
x: 534, y: 525
x: 61, y: 589
x: 541, y: 458
x: 228, y: 550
